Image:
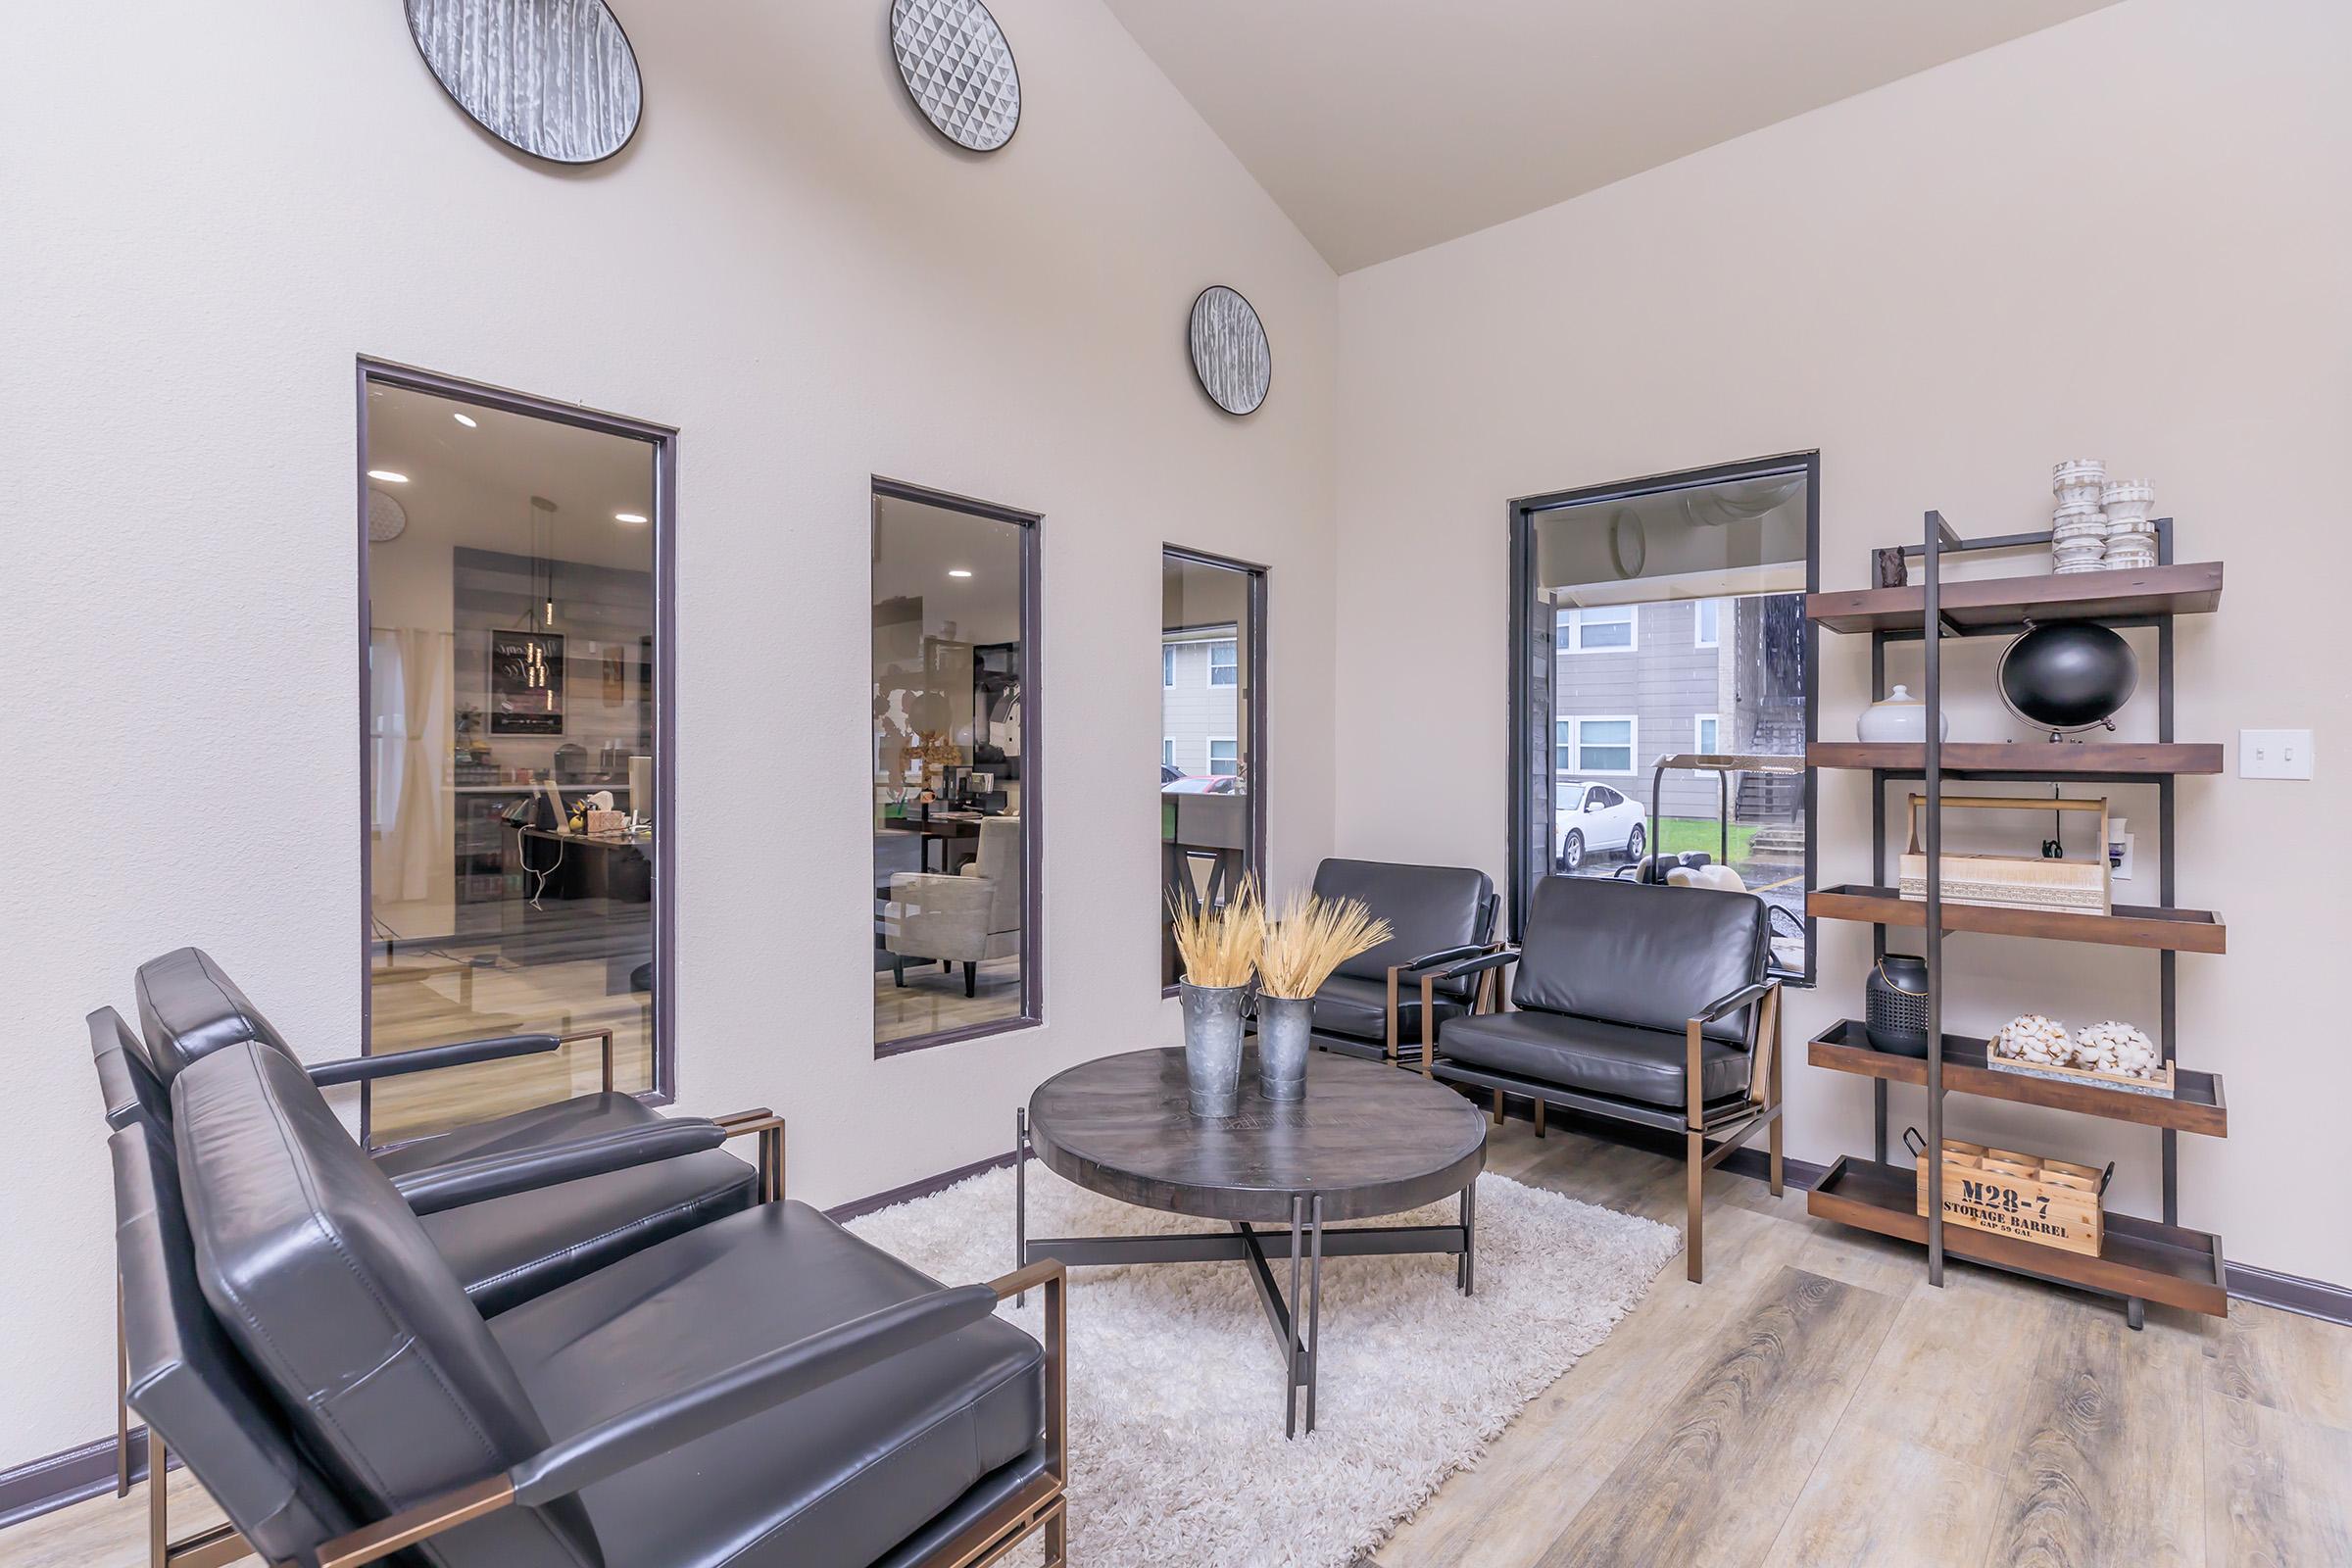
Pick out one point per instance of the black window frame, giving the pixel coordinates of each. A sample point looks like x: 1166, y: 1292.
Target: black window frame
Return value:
x: 1531, y: 734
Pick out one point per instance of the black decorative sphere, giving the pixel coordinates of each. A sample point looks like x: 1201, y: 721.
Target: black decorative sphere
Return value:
x: 2068, y: 675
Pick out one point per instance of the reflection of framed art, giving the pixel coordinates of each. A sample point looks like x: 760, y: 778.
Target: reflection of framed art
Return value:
x: 617, y: 675
x: 526, y: 683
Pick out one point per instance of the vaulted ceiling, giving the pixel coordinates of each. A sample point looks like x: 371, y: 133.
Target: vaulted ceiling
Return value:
x: 1384, y: 127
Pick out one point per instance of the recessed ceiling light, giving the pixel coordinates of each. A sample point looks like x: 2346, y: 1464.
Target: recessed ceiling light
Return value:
x: 465, y: 420
x: 628, y: 516
x: 957, y: 571
x: 387, y: 476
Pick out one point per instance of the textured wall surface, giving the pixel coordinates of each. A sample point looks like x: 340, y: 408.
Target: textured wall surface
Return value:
x: 788, y: 264
x: 2120, y: 238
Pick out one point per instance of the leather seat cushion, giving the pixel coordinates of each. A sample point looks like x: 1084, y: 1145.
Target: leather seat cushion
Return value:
x: 834, y: 1479
x: 1601, y: 1058
x: 1349, y: 1005
x: 509, y: 1250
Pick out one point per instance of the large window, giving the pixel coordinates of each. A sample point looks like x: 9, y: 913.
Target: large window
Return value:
x: 515, y: 713
x: 1650, y: 620
x: 954, y: 768
x: 1213, y: 724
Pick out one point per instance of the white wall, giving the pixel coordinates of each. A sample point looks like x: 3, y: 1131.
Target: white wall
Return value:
x: 209, y: 220
x: 2124, y: 236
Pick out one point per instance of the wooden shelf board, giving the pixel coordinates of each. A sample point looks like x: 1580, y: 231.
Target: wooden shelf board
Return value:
x: 2140, y: 1258
x: 2025, y: 760
x: 1992, y: 603
x: 2197, y: 1108
x: 2130, y: 926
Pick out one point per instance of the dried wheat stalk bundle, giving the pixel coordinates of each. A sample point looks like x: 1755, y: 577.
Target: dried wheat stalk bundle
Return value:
x: 1308, y: 939
x: 1219, y: 945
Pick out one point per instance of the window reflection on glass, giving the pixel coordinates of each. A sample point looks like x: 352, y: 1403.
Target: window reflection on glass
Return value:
x: 510, y: 750
x: 1677, y: 621
x: 1211, y: 618
x: 950, y: 645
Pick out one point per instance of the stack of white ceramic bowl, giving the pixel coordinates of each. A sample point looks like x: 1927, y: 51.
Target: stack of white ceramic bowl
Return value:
x: 2130, y: 544
x: 2079, y: 528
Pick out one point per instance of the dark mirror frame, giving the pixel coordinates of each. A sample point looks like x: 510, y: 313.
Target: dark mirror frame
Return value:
x: 1033, y: 760
x: 663, y: 439
x: 1532, y: 654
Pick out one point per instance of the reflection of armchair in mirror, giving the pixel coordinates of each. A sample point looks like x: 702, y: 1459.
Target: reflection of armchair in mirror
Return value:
x: 966, y: 918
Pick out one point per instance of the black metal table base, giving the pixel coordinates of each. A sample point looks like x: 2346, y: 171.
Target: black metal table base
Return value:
x: 1304, y: 1244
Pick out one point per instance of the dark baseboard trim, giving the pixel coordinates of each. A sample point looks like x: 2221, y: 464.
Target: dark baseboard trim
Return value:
x: 40, y: 1486
x: 59, y: 1479
x: 858, y: 1207
x: 2291, y: 1292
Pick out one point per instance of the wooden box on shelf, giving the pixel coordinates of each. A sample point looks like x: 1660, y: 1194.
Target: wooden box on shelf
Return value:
x: 2051, y: 1202
x: 2162, y: 1086
x: 2078, y: 886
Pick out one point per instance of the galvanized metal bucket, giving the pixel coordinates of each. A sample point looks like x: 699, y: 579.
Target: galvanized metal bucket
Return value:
x: 1212, y: 1047
x: 1283, y: 1024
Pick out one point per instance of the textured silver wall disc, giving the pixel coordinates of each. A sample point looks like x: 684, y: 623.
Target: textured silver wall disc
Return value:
x: 556, y: 79
x: 958, y: 70
x: 1230, y: 352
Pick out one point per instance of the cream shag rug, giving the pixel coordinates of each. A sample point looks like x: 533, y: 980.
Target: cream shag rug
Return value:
x: 1176, y: 1397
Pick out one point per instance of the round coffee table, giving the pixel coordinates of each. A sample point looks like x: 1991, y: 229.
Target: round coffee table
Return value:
x: 1366, y: 1140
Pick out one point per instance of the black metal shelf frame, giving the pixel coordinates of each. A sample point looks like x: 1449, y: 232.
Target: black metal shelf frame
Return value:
x: 1939, y: 540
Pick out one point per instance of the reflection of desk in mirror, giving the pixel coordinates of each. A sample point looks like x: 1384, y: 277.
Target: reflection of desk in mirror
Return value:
x: 956, y: 833
x: 583, y: 865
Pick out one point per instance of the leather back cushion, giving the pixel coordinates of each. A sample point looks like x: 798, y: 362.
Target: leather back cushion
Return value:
x: 125, y: 1081
x: 324, y: 1279
x: 189, y: 1008
x: 189, y: 1384
x: 1640, y: 954
x: 1431, y: 906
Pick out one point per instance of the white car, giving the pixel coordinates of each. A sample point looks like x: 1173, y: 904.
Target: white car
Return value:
x: 1596, y: 820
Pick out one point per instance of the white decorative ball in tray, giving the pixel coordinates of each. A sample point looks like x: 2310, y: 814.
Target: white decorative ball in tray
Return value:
x: 2111, y: 1054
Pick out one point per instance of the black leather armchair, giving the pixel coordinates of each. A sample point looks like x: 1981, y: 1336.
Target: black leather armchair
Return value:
x: 1385, y: 1003
x: 517, y: 1204
x: 766, y: 1390
x: 1637, y: 1003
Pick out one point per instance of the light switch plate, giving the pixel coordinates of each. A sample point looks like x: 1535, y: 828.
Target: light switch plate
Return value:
x: 2274, y: 753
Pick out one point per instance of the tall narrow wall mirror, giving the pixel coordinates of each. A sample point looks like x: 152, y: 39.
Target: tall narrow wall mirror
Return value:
x: 1212, y: 734
x: 954, y: 768
x: 513, y: 721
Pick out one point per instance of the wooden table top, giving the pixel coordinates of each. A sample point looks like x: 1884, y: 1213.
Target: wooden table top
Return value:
x: 1370, y: 1138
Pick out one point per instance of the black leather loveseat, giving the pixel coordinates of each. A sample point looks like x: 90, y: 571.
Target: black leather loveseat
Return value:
x: 763, y: 1391
x: 1636, y: 1003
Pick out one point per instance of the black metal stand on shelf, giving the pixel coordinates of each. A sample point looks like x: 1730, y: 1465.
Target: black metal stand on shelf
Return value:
x: 2142, y: 1260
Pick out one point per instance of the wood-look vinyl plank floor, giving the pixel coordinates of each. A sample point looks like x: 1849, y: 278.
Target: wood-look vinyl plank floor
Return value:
x: 1815, y: 1404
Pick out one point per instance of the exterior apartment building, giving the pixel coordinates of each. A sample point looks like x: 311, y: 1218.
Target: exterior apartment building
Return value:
x: 1200, y: 701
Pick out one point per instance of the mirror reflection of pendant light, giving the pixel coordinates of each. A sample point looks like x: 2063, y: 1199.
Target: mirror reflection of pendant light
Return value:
x: 540, y: 597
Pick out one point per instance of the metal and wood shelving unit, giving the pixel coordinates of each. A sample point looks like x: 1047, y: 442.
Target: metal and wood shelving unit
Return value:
x: 2141, y: 1260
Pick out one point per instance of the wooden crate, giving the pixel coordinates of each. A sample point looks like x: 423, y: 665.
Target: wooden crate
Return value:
x: 2029, y: 1198
x: 2080, y: 886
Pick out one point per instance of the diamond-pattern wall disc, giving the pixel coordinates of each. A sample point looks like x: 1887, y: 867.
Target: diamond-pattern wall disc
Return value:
x: 958, y: 70
x: 1230, y: 352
